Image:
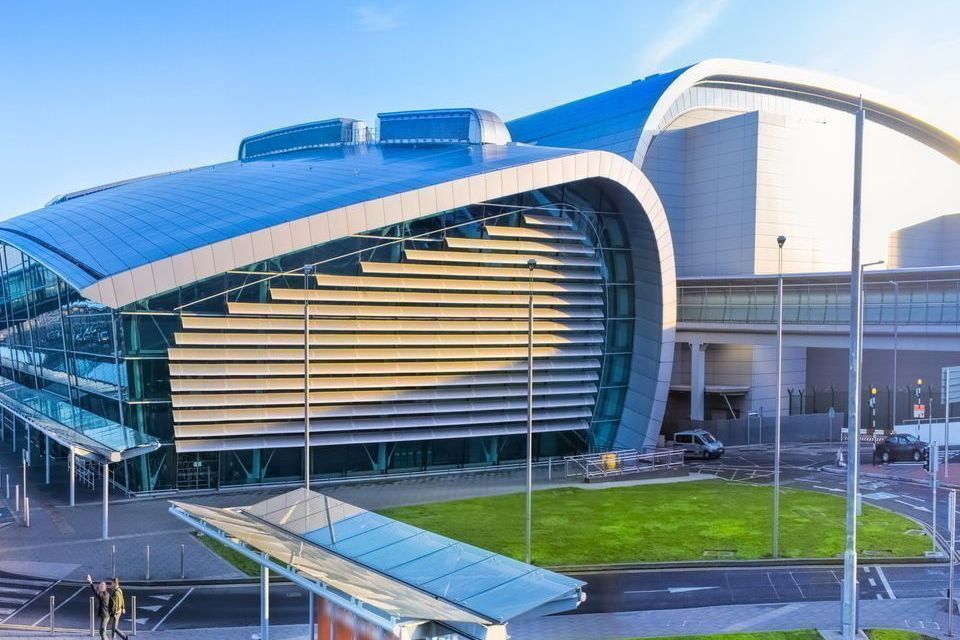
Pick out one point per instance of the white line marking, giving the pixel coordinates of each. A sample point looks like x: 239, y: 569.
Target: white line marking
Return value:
x: 872, y: 582
x: 886, y: 585
x: 179, y: 602
x: 920, y: 500
x: 879, y: 596
x: 912, y: 506
x: 69, y: 598
x: 822, y: 488
x: 25, y: 604
x: 15, y: 590
x: 673, y: 590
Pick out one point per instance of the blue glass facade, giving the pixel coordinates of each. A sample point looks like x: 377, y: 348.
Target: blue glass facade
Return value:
x: 115, y: 363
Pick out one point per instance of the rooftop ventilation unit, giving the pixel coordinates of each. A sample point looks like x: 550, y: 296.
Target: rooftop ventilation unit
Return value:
x: 312, y: 135
x: 440, y: 126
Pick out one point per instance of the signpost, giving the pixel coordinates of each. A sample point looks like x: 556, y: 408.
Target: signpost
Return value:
x: 919, y: 411
x: 950, y: 380
x: 933, y: 461
x: 952, y: 507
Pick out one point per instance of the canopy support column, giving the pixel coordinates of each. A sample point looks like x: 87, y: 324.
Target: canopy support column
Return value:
x: 72, y: 472
x: 106, y: 500
x: 46, y: 455
x: 264, y: 601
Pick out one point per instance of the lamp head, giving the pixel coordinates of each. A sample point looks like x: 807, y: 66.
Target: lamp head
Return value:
x: 873, y: 391
x: 919, y: 381
x: 531, y: 263
x: 781, y: 240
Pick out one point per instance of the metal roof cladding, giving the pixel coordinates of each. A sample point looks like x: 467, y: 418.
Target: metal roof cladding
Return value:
x: 104, y: 232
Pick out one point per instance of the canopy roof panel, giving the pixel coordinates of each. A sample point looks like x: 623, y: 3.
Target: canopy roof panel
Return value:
x: 71, y: 426
x: 394, y: 566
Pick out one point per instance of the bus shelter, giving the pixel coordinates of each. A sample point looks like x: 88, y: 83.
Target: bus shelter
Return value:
x: 375, y: 578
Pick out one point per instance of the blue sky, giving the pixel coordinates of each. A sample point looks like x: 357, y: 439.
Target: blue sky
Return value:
x: 92, y: 92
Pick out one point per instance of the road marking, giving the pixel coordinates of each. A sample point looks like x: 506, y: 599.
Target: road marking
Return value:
x: 153, y: 608
x: 69, y: 598
x: 172, y: 609
x: 886, y: 585
x: 163, y: 596
x: 921, y: 500
x: 28, y: 602
x: 872, y: 582
x: 15, y: 590
x: 822, y: 488
x: 912, y: 506
x: 673, y: 590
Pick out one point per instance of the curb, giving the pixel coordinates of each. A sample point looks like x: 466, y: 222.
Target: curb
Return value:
x: 737, y: 564
x: 572, y: 569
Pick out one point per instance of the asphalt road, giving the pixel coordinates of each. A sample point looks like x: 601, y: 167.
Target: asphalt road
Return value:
x: 27, y: 601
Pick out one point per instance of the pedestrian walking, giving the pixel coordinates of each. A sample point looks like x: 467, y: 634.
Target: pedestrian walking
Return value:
x: 101, y: 605
x: 118, y: 607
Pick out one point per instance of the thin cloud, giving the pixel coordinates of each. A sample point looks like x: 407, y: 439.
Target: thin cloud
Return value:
x: 694, y: 19
x: 375, y: 19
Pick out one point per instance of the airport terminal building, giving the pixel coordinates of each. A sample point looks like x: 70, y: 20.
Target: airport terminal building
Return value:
x: 375, y: 282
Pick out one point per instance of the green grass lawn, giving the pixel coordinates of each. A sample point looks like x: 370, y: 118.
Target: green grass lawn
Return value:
x: 662, y: 522
x: 806, y: 634
x: 238, y: 560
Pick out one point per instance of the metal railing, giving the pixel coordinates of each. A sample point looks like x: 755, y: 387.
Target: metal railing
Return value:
x: 621, y: 462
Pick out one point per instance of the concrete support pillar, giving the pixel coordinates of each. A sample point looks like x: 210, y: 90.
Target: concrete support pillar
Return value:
x: 698, y: 385
x: 264, y: 602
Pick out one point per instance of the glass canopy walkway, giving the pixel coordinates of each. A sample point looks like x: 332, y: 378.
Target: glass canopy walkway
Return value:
x: 901, y: 297
x: 82, y: 433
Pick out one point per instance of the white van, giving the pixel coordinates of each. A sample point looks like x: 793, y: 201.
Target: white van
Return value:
x: 699, y: 443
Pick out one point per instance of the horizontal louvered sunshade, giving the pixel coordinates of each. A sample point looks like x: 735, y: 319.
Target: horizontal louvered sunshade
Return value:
x: 434, y: 346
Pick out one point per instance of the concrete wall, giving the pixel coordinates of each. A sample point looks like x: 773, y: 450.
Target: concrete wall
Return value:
x: 706, y: 177
x: 927, y: 244
x: 732, y: 183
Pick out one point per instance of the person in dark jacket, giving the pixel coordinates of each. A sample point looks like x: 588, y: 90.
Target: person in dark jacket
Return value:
x: 101, y: 605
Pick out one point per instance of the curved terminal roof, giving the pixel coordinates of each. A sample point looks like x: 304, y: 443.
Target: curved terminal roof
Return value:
x: 624, y: 120
x: 103, y: 233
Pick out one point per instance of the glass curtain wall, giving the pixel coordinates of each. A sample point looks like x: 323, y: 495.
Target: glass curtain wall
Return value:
x: 52, y: 338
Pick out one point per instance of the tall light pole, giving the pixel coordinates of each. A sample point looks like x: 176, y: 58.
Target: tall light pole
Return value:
x: 776, y: 435
x: 848, y: 609
x: 896, y: 345
x: 528, y: 519
x: 307, y: 271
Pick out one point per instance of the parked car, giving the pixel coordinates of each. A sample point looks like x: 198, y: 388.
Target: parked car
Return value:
x: 699, y: 443
x: 901, y: 446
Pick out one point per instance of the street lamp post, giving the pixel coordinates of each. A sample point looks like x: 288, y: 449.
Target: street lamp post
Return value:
x: 896, y: 345
x: 528, y: 519
x: 848, y: 609
x: 776, y: 436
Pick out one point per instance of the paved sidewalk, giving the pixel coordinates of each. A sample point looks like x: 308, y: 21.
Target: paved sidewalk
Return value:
x: 926, y: 616
x: 285, y: 632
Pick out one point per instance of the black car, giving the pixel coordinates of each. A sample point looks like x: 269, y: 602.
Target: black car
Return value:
x: 901, y: 446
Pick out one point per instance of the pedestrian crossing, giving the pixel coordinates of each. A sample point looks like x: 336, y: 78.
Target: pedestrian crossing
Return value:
x: 16, y: 593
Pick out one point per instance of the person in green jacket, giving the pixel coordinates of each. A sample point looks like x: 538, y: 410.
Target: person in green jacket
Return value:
x: 118, y: 607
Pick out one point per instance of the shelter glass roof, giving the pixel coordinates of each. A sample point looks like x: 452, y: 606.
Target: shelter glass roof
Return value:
x: 73, y: 426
